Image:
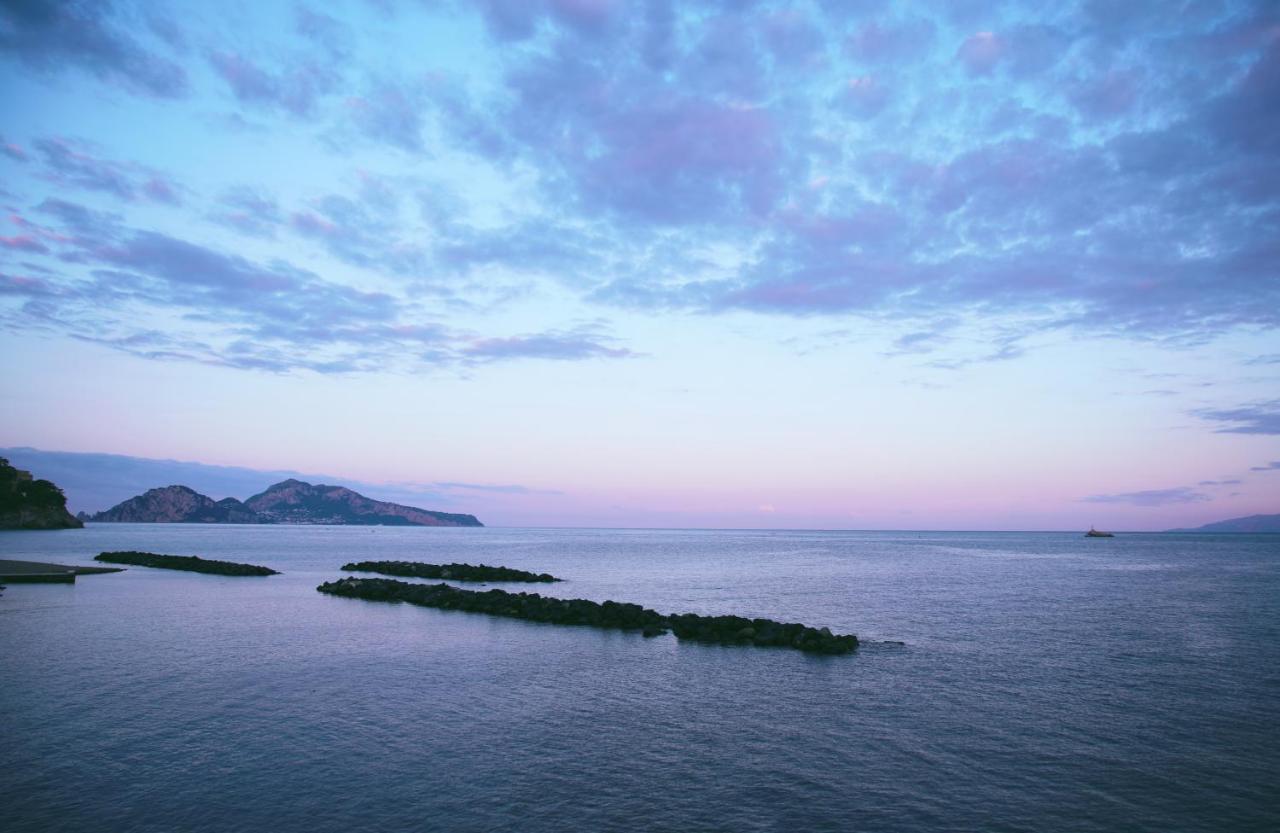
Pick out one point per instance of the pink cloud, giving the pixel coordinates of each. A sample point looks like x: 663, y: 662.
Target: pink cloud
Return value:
x: 981, y: 52
x: 864, y: 95
x: 23, y: 242
x: 161, y: 190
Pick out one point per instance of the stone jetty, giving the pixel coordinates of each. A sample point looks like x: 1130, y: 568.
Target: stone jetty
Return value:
x: 38, y: 572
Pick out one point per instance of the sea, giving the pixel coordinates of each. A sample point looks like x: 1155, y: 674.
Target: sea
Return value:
x: 1005, y: 682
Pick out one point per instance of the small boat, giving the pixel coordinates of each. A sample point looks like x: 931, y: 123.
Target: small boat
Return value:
x: 1097, y: 533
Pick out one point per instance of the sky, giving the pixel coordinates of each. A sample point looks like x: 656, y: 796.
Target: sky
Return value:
x: 719, y: 263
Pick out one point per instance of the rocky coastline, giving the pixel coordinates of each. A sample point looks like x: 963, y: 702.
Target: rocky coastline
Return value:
x: 453, y: 572
x: 30, y: 503
x: 720, y: 630
x: 191, y: 563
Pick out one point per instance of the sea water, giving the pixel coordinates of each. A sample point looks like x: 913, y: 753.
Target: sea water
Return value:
x: 1043, y: 682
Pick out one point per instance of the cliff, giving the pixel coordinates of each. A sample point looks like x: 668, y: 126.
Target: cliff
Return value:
x: 287, y: 502
x: 27, y: 503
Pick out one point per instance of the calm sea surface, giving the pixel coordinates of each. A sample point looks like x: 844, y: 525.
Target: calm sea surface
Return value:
x: 1047, y: 682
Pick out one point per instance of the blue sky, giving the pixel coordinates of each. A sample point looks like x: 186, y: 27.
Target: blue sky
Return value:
x: 831, y: 264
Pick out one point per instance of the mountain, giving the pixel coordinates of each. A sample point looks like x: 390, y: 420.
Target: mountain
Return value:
x: 27, y: 503
x: 177, y: 505
x: 293, y: 501
x: 288, y: 502
x: 1253, y: 523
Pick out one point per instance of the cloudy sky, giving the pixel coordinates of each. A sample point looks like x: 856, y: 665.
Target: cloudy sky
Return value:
x: 836, y: 263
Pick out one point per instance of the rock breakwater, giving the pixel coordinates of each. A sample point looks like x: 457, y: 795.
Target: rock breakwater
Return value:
x: 721, y: 630
x: 455, y: 572
x: 192, y: 563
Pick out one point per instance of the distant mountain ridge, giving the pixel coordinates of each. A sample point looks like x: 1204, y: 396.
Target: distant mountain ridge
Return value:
x: 1252, y: 523
x: 287, y: 502
x: 178, y: 504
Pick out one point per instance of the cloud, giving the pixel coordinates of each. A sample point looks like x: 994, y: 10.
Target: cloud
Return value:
x: 1219, y: 483
x: 205, y: 305
x: 1106, y: 96
x: 919, y: 341
x: 1007, y: 224
x: 981, y: 51
x: 332, y: 35
x: 13, y: 151
x: 48, y: 35
x: 681, y: 160
x: 968, y: 166
x: 1254, y: 418
x: 1153, y: 497
x: 78, y: 164
x: 249, y: 211
x: 877, y: 42
x: 864, y: 96
x: 1274, y: 465
x: 506, y: 489
x: 294, y: 89
x: 514, y: 20
x: 560, y: 346
x: 793, y: 38
x: 391, y: 113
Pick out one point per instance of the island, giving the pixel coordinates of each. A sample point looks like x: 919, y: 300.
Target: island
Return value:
x: 721, y: 630
x: 454, y: 572
x: 1253, y: 524
x: 287, y: 502
x: 192, y: 563
x: 28, y: 503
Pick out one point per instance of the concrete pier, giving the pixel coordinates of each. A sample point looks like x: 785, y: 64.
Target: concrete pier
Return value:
x: 37, y: 572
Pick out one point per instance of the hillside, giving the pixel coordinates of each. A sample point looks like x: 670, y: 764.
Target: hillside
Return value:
x: 293, y: 501
x: 28, y: 503
x: 177, y: 504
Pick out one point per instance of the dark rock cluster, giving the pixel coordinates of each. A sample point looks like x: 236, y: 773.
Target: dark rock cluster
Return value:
x: 455, y: 572
x: 724, y: 630
x: 193, y: 563
x: 737, y: 630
